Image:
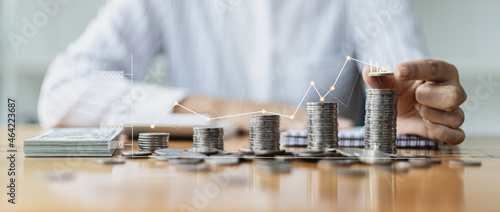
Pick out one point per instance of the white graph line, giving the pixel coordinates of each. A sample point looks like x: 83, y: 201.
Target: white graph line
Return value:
x: 156, y: 122
x: 236, y: 115
x: 316, y: 89
x: 338, y: 76
x: 207, y: 118
x: 371, y: 65
x: 341, y: 70
x: 277, y: 114
x: 312, y: 85
x: 302, y: 100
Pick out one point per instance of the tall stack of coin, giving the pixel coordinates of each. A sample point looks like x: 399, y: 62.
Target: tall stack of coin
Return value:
x: 322, y: 125
x: 153, y: 141
x: 380, y: 119
x: 212, y: 137
x: 264, y: 132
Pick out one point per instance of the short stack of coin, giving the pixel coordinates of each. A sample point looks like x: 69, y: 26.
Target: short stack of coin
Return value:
x: 322, y: 125
x: 212, y: 137
x: 380, y: 119
x: 153, y: 141
x: 264, y: 132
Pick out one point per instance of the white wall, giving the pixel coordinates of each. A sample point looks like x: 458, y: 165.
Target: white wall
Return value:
x: 465, y: 33
x: 23, y: 70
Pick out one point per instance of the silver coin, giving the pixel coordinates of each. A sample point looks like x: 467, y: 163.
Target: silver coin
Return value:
x: 380, y: 74
x: 148, y: 149
x: 166, y: 157
x: 154, y: 134
x: 464, y: 162
x: 264, y: 117
x: 133, y: 156
x: 380, y: 120
x: 208, y: 129
x: 351, y: 152
x: 402, y: 167
x: 262, y: 148
x: 285, y: 157
x: 153, y: 141
x: 246, y: 151
x: 322, y: 126
x: 153, y: 148
x: 223, y: 152
x: 320, y: 103
x: 204, y: 150
x: 375, y: 157
x: 168, y: 151
x: 264, y: 132
x: 193, y: 155
x: 269, y: 152
x: 311, y: 153
x: 205, y: 134
x: 136, y: 153
x: 331, y: 150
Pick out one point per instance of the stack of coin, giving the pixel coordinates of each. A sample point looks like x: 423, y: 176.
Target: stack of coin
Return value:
x: 264, y: 132
x: 322, y: 125
x: 212, y: 137
x: 380, y: 120
x: 153, y: 141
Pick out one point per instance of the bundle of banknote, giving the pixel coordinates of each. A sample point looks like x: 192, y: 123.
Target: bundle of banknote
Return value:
x: 66, y: 142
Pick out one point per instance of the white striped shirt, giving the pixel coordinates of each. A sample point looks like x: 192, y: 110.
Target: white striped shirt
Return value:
x: 255, y: 50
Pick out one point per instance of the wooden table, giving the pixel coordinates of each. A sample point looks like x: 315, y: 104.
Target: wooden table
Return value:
x: 78, y: 184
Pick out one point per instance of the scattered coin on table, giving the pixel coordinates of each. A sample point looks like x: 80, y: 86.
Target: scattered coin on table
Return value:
x: 269, y: 152
x: 169, y: 151
x: 136, y: 154
x: 246, y: 151
x: 192, y: 155
x: 204, y: 150
x: 380, y: 74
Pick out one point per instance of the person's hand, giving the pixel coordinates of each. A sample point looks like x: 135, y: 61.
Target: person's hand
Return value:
x: 429, y: 98
x: 222, y: 107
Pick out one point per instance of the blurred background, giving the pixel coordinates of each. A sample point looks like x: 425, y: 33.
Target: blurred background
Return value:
x: 465, y: 33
